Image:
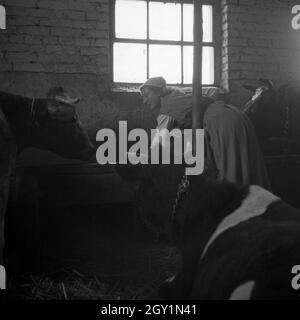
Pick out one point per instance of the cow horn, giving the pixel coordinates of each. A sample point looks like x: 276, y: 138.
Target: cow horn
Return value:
x: 268, y: 83
x: 59, y: 94
x: 67, y: 99
x: 250, y: 88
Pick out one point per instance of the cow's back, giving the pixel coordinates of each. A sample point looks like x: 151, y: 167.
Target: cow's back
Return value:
x: 14, y: 107
x: 8, y: 152
x: 262, y: 250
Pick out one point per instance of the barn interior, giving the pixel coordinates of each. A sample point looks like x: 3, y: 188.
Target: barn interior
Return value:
x: 78, y: 223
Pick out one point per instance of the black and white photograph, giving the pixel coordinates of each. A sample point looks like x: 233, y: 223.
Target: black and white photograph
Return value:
x: 150, y: 151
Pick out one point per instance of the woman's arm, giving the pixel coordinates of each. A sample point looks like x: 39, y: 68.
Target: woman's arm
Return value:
x: 164, y: 123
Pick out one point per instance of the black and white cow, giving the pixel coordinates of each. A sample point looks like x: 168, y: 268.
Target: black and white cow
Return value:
x: 236, y: 241
x: 50, y: 123
x: 275, y: 115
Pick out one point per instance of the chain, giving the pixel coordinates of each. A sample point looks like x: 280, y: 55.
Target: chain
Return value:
x: 183, y: 188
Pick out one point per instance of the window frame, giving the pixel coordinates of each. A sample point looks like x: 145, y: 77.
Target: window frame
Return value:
x: 214, y: 43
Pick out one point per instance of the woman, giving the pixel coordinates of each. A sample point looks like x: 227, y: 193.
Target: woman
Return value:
x: 230, y: 137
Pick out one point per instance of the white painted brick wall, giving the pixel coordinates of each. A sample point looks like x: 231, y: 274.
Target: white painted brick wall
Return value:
x: 72, y: 36
x: 261, y: 43
x: 63, y: 36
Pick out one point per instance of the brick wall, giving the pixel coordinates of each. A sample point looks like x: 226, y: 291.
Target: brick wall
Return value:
x: 56, y: 36
x: 260, y: 43
x: 57, y: 43
x: 72, y: 37
x: 66, y: 43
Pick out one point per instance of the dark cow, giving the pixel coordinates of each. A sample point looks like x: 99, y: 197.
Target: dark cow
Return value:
x: 276, y: 115
x: 50, y: 123
x: 236, y: 241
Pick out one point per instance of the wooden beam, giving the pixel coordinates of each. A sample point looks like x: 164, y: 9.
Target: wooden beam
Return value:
x: 197, y: 69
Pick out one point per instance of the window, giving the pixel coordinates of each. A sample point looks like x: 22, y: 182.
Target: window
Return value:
x: 155, y: 38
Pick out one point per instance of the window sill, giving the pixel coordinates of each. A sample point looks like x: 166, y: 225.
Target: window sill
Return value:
x: 135, y: 88
x: 125, y: 88
x: 129, y: 88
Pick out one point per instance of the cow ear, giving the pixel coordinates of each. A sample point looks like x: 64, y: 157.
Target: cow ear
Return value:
x: 250, y: 88
x: 268, y: 83
x: 66, y: 99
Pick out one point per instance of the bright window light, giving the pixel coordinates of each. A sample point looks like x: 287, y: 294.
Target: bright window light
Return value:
x: 207, y: 23
x: 164, y: 21
x: 131, y: 19
x: 155, y: 38
x: 130, y: 62
x: 165, y: 60
x: 188, y: 23
x: 207, y: 65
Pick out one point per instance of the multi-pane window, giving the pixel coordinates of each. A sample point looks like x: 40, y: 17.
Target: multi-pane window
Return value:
x: 155, y: 38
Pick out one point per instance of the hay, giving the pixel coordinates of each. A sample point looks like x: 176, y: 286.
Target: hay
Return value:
x: 77, y: 286
x: 132, y: 272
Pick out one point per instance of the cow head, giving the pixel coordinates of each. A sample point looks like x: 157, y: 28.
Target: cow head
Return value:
x: 59, y: 129
x: 264, y: 111
x: 261, y: 95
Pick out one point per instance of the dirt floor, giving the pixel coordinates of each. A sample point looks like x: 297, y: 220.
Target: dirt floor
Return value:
x: 82, y: 280
x: 88, y: 255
